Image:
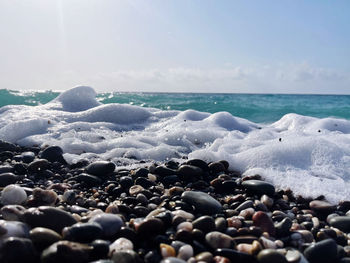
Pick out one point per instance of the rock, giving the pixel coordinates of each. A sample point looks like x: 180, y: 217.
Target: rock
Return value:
x: 28, y: 157
x: 38, y: 166
x: 293, y: 256
x: 204, y: 257
x: 12, y: 212
x: 188, y: 172
x: 126, y: 256
x: 14, y: 229
x: 49, y: 217
x: 271, y: 256
x: 120, y: 244
x: 282, y: 228
x: 199, y: 163
x: 203, y: 203
x: 167, y: 250
x: 43, y: 237
x: 53, y: 154
x: 66, y: 251
x: 185, y: 252
x: 6, y: 169
x: 204, y: 223
x: 13, y: 195
x: 163, y: 171
x: 218, y: 240
x: 216, y: 167
x: 149, y: 227
x: 88, y: 179
x: 110, y: 223
x: 322, y: 207
x: 259, y: 187
x: 82, y: 232
x: 7, y: 178
x: 234, y: 255
x: 324, y: 251
x: 100, y: 168
x: 245, y: 205
x: 100, y: 248
x: 262, y: 220
x: 341, y: 222
x: 42, y: 197
x: 15, y: 249
x: 173, y: 260
x: 7, y: 146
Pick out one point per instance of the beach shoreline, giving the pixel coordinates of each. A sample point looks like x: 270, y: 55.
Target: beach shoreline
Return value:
x: 169, y: 212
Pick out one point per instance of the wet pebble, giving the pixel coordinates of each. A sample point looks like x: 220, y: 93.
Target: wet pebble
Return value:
x: 202, y: 202
x: 100, y: 168
x: 13, y: 195
x: 110, y: 223
x: 259, y: 187
x: 217, y: 239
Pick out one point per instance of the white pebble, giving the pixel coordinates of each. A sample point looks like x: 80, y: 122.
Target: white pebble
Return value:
x: 120, y: 244
x: 13, y: 195
x: 185, y: 252
x: 186, y: 226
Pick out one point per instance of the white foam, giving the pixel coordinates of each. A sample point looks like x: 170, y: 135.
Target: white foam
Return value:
x: 309, y: 155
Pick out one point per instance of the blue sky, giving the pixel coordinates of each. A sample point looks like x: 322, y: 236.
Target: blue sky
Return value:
x: 260, y: 46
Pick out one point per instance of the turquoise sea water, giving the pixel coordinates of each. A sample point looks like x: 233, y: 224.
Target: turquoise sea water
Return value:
x: 261, y: 108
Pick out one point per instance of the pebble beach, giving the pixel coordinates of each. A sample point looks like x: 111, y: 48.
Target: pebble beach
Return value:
x: 170, y: 212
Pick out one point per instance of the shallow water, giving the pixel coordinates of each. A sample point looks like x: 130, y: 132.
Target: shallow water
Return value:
x: 308, y: 154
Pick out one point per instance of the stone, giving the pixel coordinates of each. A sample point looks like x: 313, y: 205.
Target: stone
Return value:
x: 185, y: 252
x: 216, y: 167
x: 38, y: 166
x: 126, y: 256
x: 82, y: 232
x: 12, y: 212
x: 16, y: 249
x: 100, y: 168
x: 203, y: 203
x: 259, y: 187
x: 204, y: 223
x: 66, y: 251
x: 149, y: 227
x: 282, y: 228
x: 324, y: 251
x: 341, y: 222
x: 271, y: 256
x: 49, y: 217
x: 187, y: 172
x: 293, y: 256
x: 14, y: 229
x: 28, y: 157
x: 199, y: 163
x: 217, y: 239
x: 7, y: 146
x: 13, y: 195
x: 43, y: 237
x: 42, y: 197
x: 110, y: 223
x: 172, y: 260
x: 245, y: 205
x: 322, y: 207
x: 234, y: 255
x: 53, y: 154
x: 121, y: 243
x: 262, y: 220
x: 88, y: 179
x: 7, y: 178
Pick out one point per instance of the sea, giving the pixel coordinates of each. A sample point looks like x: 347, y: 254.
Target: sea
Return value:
x: 301, y: 142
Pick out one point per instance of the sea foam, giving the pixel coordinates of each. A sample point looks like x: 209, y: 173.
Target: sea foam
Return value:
x: 309, y: 155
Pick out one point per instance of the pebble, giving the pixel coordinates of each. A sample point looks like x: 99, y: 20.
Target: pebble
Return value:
x: 259, y: 187
x: 341, y: 222
x: 110, y: 223
x: 7, y: 178
x: 204, y: 223
x: 100, y: 168
x: 271, y: 256
x: 12, y: 212
x: 82, y: 232
x: 53, y: 154
x: 49, y: 217
x: 185, y: 252
x: 126, y: 256
x: 202, y: 202
x: 13, y: 195
x: 43, y: 237
x: 66, y: 251
x: 324, y: 251
x: 217, y: 239
x: 16, y: 249
x: 120, y: 244
x: 14, y: 229
x: 322, y: 206
x: 262, y: 220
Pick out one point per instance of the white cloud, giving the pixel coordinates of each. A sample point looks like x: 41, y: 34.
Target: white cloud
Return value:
x: 283, y: 78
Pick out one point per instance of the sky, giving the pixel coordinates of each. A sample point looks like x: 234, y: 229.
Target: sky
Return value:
x: 261, y: 46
